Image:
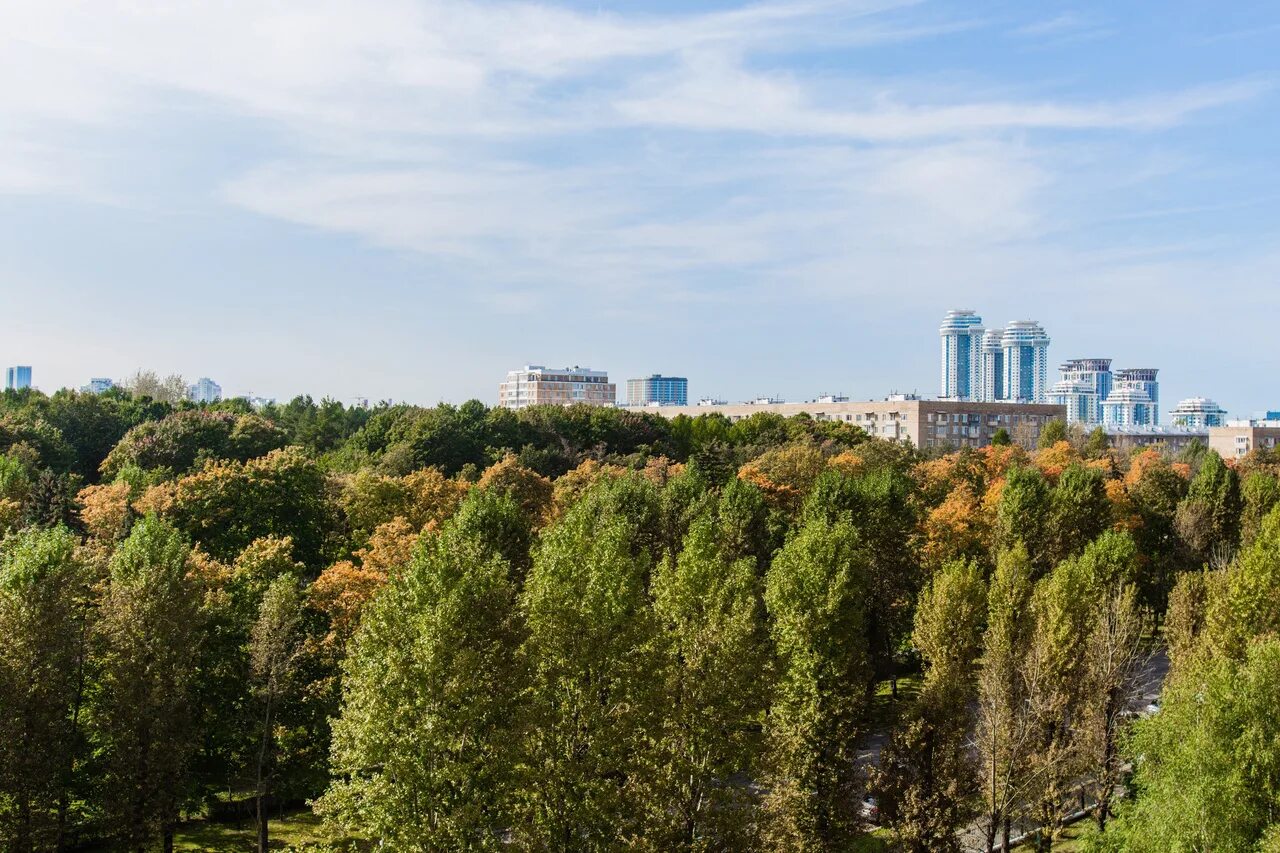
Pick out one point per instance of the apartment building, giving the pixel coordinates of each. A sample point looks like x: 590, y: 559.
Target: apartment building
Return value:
x: 1236, y: 438
x: 658, y: 390
x: 924, y: 423
x: 536, y: 385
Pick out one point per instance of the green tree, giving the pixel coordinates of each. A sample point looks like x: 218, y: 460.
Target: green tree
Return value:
x: 142, y: 711
x: 881, y: 507
x: 1209, y: 518
x: 425, y: 748
x: 715, y: 693
x: 1079, y: 511
x: 926, y: 776
x: 1260, y: 493
x: 227, y: 505
x: 1209, y: 768
x: 42, y: 645
x: 1025, y: 514
x: 816, y: 593
x: 1052, y: 432
x: 595, y: 673
x: 1055, y: 674
x: 1004, y: 731
x: 275, y: 644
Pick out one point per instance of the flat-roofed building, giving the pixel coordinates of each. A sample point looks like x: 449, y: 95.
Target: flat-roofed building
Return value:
x: 1198, y: 412
x: 924, y: 423
x: 1172, y: 438
x: 658, y: 390
x: 1237, y: 438
x: 535, y: 385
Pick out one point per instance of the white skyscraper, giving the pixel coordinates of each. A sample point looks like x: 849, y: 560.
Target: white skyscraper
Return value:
x: 205, y: 391
x: 961, y: 334
x: 1026, y: 362
x: 991, y: 387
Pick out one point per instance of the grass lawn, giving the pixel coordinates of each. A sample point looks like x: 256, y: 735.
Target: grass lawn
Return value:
x: 1070, y: 840
x: 300, y: 827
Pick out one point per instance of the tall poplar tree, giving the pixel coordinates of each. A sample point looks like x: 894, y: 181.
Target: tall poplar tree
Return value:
x: 143, y: 717
x: 42, y: 617
x: 816, y: 593
x: 425, y: 748
x: 715, y: 690
x: 595, y: 674
x: 1003, y: 734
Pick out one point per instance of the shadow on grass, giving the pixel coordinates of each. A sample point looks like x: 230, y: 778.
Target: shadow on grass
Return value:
x: 295, y: 829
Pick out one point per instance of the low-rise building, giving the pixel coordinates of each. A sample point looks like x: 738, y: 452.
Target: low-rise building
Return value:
x: 1236, y: 438
x: 536, y: 385
x: 924, y: 423
x: 1174, y: 439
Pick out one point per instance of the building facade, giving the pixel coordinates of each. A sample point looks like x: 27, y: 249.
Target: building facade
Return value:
x: 941, y: 424
x: 18, y: 377
x: 1142, y: 379
x: 1079, y: 398
x: 1237, y: 438
x: 205, y: 390
x: 657, y: 390
x: 1172, y: 439
x: 1198, y: 413
x: 1128, y: 406
x: 962, y: 335
x: 536, y: 385
x: 1026, y: 362
x: 991, y: 386
x: 98, y: 385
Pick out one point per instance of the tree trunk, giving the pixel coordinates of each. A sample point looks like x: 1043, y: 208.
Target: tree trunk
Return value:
x: 1004, y: 835
x: 993, y: 824
x: 168, y: 838
x: 263, y: 820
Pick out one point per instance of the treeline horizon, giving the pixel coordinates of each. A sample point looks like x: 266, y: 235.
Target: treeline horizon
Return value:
x: 463, y: 627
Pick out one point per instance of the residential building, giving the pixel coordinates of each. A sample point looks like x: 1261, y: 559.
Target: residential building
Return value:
x: 1128, y: 406
x: 1079, y: 398
x: 98, y: 385
x: 961, y: 334
x: 536, y: 385
x: 204, y: 391
x: 1026, y: 362
x: 658, y: 390
x: 1198, y: 413
x: 1173, y: 439
x: 1237, y: 438
x: 18, y: 377
x: 923, y: 423
x: 1144, y: 379
x: 991, y: 385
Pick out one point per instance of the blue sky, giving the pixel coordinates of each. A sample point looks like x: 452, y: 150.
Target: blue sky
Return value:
x: 406, y: 198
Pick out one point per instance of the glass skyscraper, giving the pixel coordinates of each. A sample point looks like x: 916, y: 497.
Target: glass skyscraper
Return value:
x: 1141, y: 390
x: 18, y: 377
x: 961, y: 333
x: 1026, y: 362
x: 1085, y: 384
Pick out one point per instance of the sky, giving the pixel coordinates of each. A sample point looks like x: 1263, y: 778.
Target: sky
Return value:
x: 404, y: 199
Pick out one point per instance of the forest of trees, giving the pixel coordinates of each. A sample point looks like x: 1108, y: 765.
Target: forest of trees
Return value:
x: 584, y: 629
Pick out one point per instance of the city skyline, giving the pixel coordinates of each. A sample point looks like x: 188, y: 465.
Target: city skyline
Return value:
x: 771, y: 198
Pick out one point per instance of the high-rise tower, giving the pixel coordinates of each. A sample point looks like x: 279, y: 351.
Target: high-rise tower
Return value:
x: 1026, y: 362
x: 961, y: 334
